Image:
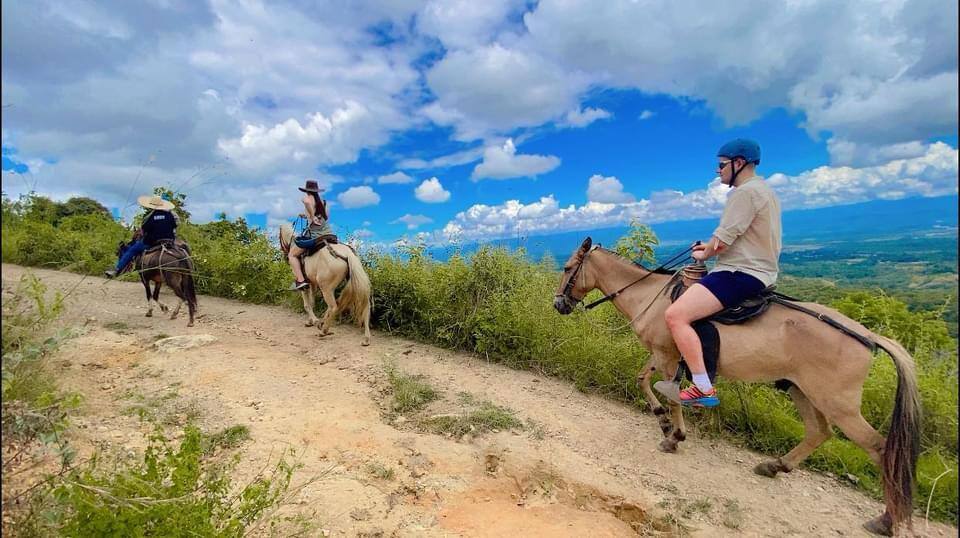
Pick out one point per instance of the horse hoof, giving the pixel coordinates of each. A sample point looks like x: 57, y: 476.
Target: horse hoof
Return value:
x: 769, y: 469
x: 190, y: 324
x: 365, y: 342
x: 668, y: 446
x: 164, y: 308
x: 149, y: 314
x: 879, y: 525
x: 308, y: 323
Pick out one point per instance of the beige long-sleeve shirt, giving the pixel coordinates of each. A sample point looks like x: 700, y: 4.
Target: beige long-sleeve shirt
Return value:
x: 751, y: 229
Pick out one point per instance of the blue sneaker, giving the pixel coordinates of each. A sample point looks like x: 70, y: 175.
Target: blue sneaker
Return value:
x: 694, y: 397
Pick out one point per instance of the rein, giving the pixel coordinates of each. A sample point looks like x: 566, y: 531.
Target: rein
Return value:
x: 667, y: 265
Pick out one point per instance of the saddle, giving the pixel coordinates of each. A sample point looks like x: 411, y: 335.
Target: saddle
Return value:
x: 312, y: 245
x: 170, y: 244
x: 750, y: 308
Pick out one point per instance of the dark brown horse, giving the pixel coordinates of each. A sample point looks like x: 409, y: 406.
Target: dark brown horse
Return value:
x: 170, y: 263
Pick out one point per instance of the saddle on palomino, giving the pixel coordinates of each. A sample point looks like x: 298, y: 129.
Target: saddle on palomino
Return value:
x: 312, y: 245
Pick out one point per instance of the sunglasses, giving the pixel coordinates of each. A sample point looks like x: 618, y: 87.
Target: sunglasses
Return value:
x: 723, y: 164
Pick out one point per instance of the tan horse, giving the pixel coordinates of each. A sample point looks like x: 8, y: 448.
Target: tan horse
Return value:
x: 325, y: 271
x: 827, y: 370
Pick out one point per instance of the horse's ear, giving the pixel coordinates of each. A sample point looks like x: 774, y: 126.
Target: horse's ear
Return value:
x: 586, y: 244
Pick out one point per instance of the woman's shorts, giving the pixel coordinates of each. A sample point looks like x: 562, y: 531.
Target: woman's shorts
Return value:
x: 732, y: 287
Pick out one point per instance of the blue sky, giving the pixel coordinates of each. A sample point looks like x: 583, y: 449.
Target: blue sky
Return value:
x: 462, y: 120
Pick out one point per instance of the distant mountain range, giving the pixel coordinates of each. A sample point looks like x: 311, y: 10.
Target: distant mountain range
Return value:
x: 869, y: 220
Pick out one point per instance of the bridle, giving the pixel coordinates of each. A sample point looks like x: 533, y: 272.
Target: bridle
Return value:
x: 567, y: 294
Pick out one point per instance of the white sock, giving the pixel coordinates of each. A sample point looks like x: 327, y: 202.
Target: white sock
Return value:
x: 702, y: 381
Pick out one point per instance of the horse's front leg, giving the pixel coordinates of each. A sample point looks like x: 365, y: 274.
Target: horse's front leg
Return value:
x: 679, y: 431
x: 643, y: 380
x: 309, y: 303
x: 146, y: 286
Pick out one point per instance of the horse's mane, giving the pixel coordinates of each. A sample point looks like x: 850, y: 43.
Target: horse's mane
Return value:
x: 657, y: 271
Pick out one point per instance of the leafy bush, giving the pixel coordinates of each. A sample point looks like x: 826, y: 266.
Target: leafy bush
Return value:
x: 171, y: 491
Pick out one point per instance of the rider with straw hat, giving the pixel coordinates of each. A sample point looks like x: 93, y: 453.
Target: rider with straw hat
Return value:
x: 159, y: 224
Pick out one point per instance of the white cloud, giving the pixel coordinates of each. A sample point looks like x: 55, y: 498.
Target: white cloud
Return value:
x: 358, y: 197
x: 413, y: 221
x: 460, y: 24
x: 865, y: 72
x: 496, y: 89
x: 444, y: 161
x: 431, y: 191
x: 321, y: 140
x: 607, y: 190
x: 646, y: 115
x: 932, y: 174
x: 502, y: 162
x: 362, y: 233
x: 396, y: 177
x: 581, y: 117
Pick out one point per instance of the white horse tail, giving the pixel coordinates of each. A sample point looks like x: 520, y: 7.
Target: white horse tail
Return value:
x: 356, y: 294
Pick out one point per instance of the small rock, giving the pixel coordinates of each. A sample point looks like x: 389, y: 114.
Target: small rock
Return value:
x: 174, y: 344
x: 399, y: 421
x: 852, y: 478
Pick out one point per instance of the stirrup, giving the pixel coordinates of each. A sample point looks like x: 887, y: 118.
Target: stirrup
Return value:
x: 669, y: 389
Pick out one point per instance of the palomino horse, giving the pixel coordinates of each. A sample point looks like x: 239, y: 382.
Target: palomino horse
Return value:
x: 326, y: 270
x: 166, y: 263
x: 826, y: 368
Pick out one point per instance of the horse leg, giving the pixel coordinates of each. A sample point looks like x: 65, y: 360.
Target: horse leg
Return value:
x: 816, y: 431
x: 858, y: 430
x: 679, y: 431
x: 156, y: 296
x: 309, y: 303
x: 643, y: 380
x: 331, y: 314
x: 146, y: 286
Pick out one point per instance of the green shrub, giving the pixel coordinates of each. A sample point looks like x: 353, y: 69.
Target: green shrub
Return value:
x: 170, y: 491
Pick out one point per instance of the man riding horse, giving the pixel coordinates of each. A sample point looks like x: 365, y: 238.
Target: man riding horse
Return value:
x: 747, y: 246
x: 158, y: 225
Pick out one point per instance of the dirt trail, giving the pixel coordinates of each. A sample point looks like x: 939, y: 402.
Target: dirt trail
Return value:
x: 587, y: 466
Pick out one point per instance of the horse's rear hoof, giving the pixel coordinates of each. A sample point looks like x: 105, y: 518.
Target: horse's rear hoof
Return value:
x: 308, y: 323
x: 149, y: 314
x: 365, y: 342
x: 879, y: 525
x: 190, y: 324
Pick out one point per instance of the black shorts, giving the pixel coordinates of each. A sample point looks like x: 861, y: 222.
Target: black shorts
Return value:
x: 732, y: 287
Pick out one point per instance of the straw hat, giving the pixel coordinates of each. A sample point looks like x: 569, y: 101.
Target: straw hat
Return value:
x: 154, y: 202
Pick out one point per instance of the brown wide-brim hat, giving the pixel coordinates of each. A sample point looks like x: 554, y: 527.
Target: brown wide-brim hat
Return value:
x: 154, y: 202
x: 311, y: 186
